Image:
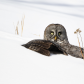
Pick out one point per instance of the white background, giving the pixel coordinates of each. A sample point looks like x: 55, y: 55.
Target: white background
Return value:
x: 19, y: 65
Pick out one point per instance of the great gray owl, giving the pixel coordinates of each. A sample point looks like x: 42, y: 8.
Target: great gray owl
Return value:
x: 55, y: 41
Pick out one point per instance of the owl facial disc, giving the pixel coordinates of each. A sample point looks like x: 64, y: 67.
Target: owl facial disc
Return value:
x: 56, y: 33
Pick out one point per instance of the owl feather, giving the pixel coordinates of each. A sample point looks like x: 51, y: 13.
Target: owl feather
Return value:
x: 44, y: 47
x: 55, y: 41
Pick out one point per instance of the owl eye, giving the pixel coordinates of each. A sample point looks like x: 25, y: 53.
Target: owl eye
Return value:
x: 52, y: 33
x: 59, y: 33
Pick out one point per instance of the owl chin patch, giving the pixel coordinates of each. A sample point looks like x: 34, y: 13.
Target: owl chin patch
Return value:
x: 58, y: 41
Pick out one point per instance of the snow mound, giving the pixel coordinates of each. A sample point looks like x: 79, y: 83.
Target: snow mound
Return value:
x: 19, y: 65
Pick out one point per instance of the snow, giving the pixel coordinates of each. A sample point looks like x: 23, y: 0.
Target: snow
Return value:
x: 19, y: 65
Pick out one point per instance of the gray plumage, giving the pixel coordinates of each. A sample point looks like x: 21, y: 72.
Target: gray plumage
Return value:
x: 55, y: 40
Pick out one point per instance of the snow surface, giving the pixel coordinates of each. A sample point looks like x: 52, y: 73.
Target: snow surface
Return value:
x: 19, y: 65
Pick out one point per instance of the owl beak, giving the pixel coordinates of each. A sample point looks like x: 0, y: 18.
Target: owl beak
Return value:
x: 55, y: 38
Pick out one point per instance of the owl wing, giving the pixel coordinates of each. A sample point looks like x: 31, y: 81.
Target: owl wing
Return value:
x: 44, y: 47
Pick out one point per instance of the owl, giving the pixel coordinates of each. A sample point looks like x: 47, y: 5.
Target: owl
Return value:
x: 55, y: 41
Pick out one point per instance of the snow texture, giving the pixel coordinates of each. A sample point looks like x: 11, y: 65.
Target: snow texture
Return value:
x: 19, y: 65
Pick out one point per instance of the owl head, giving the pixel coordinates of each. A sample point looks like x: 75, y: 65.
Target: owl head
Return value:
x: 56, y: 33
